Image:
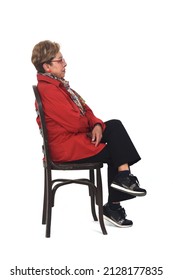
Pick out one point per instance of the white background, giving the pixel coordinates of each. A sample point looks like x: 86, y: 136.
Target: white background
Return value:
x: 120, y: 59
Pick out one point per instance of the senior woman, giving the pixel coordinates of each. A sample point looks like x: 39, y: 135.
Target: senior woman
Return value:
x: 76, y: 135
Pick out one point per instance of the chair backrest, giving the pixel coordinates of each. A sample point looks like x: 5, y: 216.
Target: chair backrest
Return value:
x: 40, y: 112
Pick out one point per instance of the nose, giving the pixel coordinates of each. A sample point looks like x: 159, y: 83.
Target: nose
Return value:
x: 64, y: 62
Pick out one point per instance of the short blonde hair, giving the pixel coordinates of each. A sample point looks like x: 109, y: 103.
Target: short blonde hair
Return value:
x: 44, y: 52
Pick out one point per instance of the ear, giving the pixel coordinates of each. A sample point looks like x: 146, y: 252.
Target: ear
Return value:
x: 46, y: 67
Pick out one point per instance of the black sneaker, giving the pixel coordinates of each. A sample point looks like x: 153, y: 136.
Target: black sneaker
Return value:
x: 116, y: 217
x: 128, y: 184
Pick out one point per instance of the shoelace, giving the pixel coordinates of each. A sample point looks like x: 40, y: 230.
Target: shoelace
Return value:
x: 134, y: 179
x: 122, y: 212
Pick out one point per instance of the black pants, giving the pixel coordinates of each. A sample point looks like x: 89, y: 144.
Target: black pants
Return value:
x: 119, y: 150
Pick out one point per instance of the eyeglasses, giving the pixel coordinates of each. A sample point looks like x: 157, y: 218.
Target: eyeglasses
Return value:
x: 60, y: 60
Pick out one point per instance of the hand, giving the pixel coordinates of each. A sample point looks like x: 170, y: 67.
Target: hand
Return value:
x: 96, y: 134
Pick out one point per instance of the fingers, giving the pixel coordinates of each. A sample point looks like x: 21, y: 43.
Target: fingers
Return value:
x: 96, y: 138
x: 96, y: 135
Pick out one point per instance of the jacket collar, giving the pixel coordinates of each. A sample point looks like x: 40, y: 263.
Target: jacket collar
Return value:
x: 48, y: 80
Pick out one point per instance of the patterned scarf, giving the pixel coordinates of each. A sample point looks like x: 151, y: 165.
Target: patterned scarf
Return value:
x: 77, y: 99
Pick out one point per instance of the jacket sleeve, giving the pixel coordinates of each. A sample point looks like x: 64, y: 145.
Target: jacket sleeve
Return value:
x: 59, y: 107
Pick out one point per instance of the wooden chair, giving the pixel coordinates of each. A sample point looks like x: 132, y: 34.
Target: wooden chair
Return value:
x: 94, y: 182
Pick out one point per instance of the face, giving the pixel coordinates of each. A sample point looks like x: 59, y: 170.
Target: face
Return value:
x: 57, y: 66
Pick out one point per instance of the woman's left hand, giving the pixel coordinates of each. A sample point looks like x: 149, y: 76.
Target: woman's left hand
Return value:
x: 96, y: 134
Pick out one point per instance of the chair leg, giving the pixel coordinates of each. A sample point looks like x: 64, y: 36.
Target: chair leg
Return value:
x: 99, y: 200
x: 49, y: 203
x: 44, y: 199
x: 92, y: 195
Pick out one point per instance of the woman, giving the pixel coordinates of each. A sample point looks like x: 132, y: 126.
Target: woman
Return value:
x: 75, y: 134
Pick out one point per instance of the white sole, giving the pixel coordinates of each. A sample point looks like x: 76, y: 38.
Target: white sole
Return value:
x: 117, y: 187
x: 116, y: 224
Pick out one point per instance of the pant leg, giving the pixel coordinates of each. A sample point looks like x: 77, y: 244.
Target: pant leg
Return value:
x: 119, y: 144
x: 119, y: 150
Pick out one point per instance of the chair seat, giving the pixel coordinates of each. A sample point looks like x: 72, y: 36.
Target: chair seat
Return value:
x: 76, y: 166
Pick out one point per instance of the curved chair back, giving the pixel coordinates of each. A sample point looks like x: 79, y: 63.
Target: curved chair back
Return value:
x: 43, y: 129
